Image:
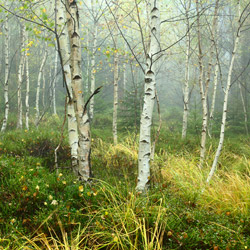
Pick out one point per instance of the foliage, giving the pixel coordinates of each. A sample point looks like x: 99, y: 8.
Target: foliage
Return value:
x: 42, y: 209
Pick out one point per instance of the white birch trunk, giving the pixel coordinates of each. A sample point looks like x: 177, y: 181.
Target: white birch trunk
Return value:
x: 39, y: 84
x: 87, y: 69
x: 19, y: 82
x: 149, y: 99
x: 84, y: 139
x: 6, y: 77
x: 115, y: 101
x: 43, y: 88
x: 27, y: 108
x: 54, y: 84
x: 93, y: 69
x: 244, y: 108
x: 65, y: 57
x: 211, y: 116
x: 224, y: 115
x: 186, y: 85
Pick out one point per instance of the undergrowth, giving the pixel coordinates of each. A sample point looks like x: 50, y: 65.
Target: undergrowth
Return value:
x: 45, y: 209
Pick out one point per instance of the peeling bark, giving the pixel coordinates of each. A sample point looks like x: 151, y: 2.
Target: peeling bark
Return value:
x: 149, y: 99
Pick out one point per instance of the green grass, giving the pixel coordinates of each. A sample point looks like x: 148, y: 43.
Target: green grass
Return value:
x: 44, y: 209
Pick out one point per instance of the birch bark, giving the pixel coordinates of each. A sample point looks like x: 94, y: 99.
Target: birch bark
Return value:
x: 204, y: 91
x: 6, y: 77
x: 54, y: 84
x: 37, y: 117
x: 224, y: 115
x: 65, y: 60
x: 27, y: 108
x: 19, y: 81
x: 244, y: 108
x: 115, y: 102
x: 186, y: 85
x: 149, y: 99
x: 84, y: 139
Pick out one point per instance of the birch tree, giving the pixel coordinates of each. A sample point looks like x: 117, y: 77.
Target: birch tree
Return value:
x: 39, y: 84
x: 84, y: 139
x: 20, y: 79
x: 6, y: 77
x: 63, y: 41
x: 240, y: 21
x: 186, y: 84
x: 27, y: 108
x: 92, y: 60
x: 149, y: 99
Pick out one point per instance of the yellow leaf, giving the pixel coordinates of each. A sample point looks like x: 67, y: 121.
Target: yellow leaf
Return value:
x: 80, y: 92
x: 44, y: 10
x: 80, y: 188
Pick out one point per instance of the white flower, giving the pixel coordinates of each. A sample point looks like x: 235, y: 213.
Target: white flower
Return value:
x: 54, y: 202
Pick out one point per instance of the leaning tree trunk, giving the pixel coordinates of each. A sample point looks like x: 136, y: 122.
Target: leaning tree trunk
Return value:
x: 186, y: 85
x: 64, y: 53
x: 84, y: 139
x: 39, y: 84
x: 224, y: 115
x: 6, y: 78
x: 149, y: 99
x: 19, y: 81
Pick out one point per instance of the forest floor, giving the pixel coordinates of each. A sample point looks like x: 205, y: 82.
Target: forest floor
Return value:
x: 41, y: 208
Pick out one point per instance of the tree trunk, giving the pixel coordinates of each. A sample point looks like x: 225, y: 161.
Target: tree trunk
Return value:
x: 39, y: 84
x: 149, y: 99
x: 115, y: 102
x: 6, y: 78
x: 65, y: 61
x: 244, y: 109
x: 19, y: 82
x: 27, y: 108
x: 186, y: 85
x: 93, y: 69
x: 224, y: 115
x: 54, y: 84
x: 211, y: 117
x: 84, y: 139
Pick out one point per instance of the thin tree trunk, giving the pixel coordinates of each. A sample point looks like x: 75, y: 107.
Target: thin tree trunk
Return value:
x: 54, y: 84
x: 244, y: 108
x: 115, y: 102
x: 186, y: 85
x: 93, y: 69
x: 43, y: 88
x: 6, y: 78
x: 224, y: 115
x: 19, y: 82
x: 27, y: 108
x: 149, y: 99
x: 39, y: 84
x: 211, y: 117
x: 84, y: 139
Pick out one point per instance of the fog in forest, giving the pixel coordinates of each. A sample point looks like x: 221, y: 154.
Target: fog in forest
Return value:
x: 151, y: 93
